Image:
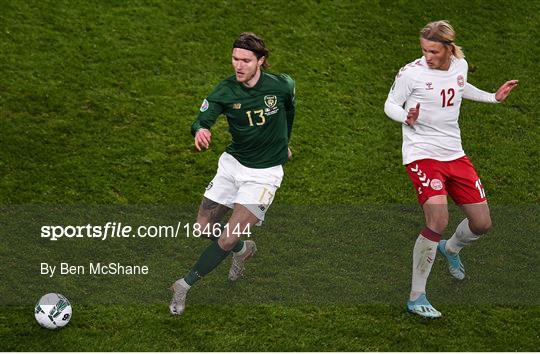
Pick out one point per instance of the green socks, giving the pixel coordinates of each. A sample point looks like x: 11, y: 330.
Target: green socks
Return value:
x: 209, y: 259
x: 238, y: 246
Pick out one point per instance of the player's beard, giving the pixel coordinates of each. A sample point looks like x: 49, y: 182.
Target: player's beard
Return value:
x: 248, y: 78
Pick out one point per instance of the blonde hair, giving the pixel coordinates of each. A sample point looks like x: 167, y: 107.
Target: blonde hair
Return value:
x: 442, y: 32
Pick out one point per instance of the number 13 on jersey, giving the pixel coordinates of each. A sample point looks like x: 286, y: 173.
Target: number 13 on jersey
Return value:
x: 258, y: 112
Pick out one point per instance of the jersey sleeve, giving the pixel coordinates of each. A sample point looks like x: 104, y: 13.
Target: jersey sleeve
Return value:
x: 290, y: 103
x: 398, y: 95
x: 472, y: 93
x: 210, y: 110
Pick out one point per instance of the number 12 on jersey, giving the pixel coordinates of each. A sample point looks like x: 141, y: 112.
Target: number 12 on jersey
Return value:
x: 451, y: 93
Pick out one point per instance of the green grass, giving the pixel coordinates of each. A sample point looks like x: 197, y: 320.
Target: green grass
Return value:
x: 349, y: 255
x: 97, y: 99
x: 96, y: 102
x: 277, y: 328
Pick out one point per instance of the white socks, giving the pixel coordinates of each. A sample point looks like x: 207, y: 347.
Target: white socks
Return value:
x: 423, y: 257
x: 462, y: 237
x: 425, y: 250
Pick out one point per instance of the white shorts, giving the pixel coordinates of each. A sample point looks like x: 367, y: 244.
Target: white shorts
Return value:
x: 254, y: 188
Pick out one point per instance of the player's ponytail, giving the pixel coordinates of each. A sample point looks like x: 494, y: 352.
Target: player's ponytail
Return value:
x: 442, y: 32
x: 250, y: 41
x: 457, y: 51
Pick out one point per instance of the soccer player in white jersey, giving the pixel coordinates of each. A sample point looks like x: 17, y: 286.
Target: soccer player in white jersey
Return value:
x: 425, y: 98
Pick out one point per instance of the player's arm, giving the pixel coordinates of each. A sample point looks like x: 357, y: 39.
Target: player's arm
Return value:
x: 200, y: 129
x: 290, y: 108
x: 472, y: 93
x: 290, y: 104
x: 399, y: 93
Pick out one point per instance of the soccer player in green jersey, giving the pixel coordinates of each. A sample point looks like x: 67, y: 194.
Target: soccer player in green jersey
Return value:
x: 259, y: 107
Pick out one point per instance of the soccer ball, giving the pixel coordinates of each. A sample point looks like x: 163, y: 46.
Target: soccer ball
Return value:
x: 53, y: 311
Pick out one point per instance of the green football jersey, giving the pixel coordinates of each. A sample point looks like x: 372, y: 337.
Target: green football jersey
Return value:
x: 260, y: 118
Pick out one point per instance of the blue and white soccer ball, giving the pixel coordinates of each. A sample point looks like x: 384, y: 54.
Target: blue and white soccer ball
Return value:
x: 53, y: 311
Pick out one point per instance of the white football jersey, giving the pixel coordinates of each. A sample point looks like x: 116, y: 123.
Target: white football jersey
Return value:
x: 436, y: 134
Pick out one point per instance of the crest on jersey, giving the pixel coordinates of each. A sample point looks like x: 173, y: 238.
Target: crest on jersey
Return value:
x: 237, y: 106
x: 429, y: 86
x: 204, y: 105
x: 460, y: 81
x: 436, y: 184
x: 270, y: 101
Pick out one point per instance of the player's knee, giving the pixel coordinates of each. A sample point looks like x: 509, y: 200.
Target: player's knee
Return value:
x: 436, y: 217
x: 207, y: 219
x: 439, y: 224
x: 480, y: 227
x: 207, y: 227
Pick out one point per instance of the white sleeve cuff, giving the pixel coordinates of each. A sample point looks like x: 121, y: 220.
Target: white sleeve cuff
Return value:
x: 394, y: 111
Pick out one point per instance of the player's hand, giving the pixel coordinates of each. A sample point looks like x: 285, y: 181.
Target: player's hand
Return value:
x: 289, y: 153
x: 505, y: 90
x: 203, y: 137
x: 412, y: 115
